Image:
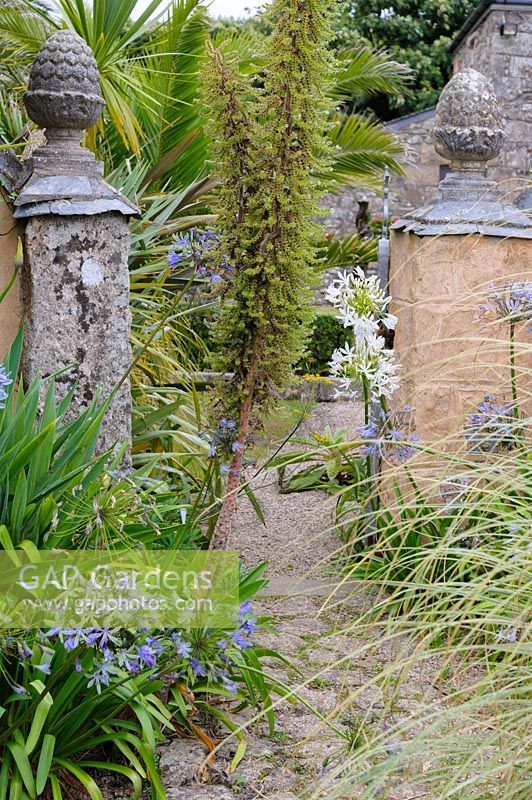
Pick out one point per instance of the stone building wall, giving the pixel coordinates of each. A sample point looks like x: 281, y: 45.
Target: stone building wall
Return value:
x: 507, y: 61
x: 423, y: 164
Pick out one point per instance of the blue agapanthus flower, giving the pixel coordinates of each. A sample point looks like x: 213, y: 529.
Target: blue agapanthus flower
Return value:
x: 184, y: 649
x: 199, y: 670
x: 5, y: 381
x: 390, y: 436
x: 101, y: 676
x: 222, y: 440
x: 512, y: 302
x: 21, y: 691
x: 493, y: 427
x: 201, y: 250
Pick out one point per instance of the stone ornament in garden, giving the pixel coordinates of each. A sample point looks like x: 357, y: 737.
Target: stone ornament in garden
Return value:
x: 64, y: 87
x: 64, y: 97
x: 468, y: 127
x: 468, y: 131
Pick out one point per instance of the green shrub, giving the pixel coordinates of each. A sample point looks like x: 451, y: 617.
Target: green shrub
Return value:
x: 326, y: 334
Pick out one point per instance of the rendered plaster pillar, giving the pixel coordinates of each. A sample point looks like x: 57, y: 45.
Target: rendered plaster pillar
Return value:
x: 444, y: 258
x: 451, y: 356
x: 75, y: 283
x: 10, y: 307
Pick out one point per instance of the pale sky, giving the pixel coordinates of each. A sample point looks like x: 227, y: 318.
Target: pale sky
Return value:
x: 233, y: 8
x: 222, y: 8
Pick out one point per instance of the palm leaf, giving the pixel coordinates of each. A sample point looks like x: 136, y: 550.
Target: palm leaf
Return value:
x: 174, y: 141
x: 363, y: 150
x: 347, y: 251
x: 364, y: 72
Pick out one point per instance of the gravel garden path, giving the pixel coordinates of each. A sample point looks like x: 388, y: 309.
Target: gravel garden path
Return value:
x: 299, y: 546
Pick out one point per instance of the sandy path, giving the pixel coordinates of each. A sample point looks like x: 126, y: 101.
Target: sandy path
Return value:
x: 298, y: 544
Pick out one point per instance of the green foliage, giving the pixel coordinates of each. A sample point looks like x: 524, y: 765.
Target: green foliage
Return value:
x: 237, y: 675
x: 326, y: 334
x: 331, y: 462
x: 60, y: 722
x: 58, y: 733
x: 414, y: 32
x: 428, y: 538
x: 358, y: 74
x: 43, y: 457
x: 54, y: 490
x: 268, y: 141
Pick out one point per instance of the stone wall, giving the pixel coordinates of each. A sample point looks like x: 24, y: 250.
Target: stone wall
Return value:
x: 423, y: 165
x: 343, y: 208
x: 507, y: 61
x: 407, y: 192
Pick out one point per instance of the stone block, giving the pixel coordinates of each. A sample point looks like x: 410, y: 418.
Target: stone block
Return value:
x: 76, y: 299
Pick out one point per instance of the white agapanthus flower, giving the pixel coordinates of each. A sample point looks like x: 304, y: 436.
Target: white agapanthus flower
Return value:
x: 362, y: 305
x: 366, y: 361
x: 361, y: 302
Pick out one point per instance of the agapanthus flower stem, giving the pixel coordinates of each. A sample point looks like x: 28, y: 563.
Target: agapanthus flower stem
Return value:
x: 513, y: 373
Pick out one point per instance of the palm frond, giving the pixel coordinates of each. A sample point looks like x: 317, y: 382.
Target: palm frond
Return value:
x: 174, y: 141
x: 347, y: 252
x: 363, y: 150
x: 364, y: 72
x: 23, y: 30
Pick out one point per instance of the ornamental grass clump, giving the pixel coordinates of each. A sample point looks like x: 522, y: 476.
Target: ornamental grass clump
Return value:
x: 453, y: 575
x: 451, y: 566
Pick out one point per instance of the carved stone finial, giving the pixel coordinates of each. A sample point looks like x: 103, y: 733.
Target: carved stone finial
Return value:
x: 64, y: 86
x: 468, y: 128
x: 64, y: 96
x: 468, y: 132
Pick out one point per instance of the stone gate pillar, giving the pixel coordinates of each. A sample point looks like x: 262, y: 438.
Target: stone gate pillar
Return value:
x: 10, y: 310
x: 444, y: 257
x: 75, y: 282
